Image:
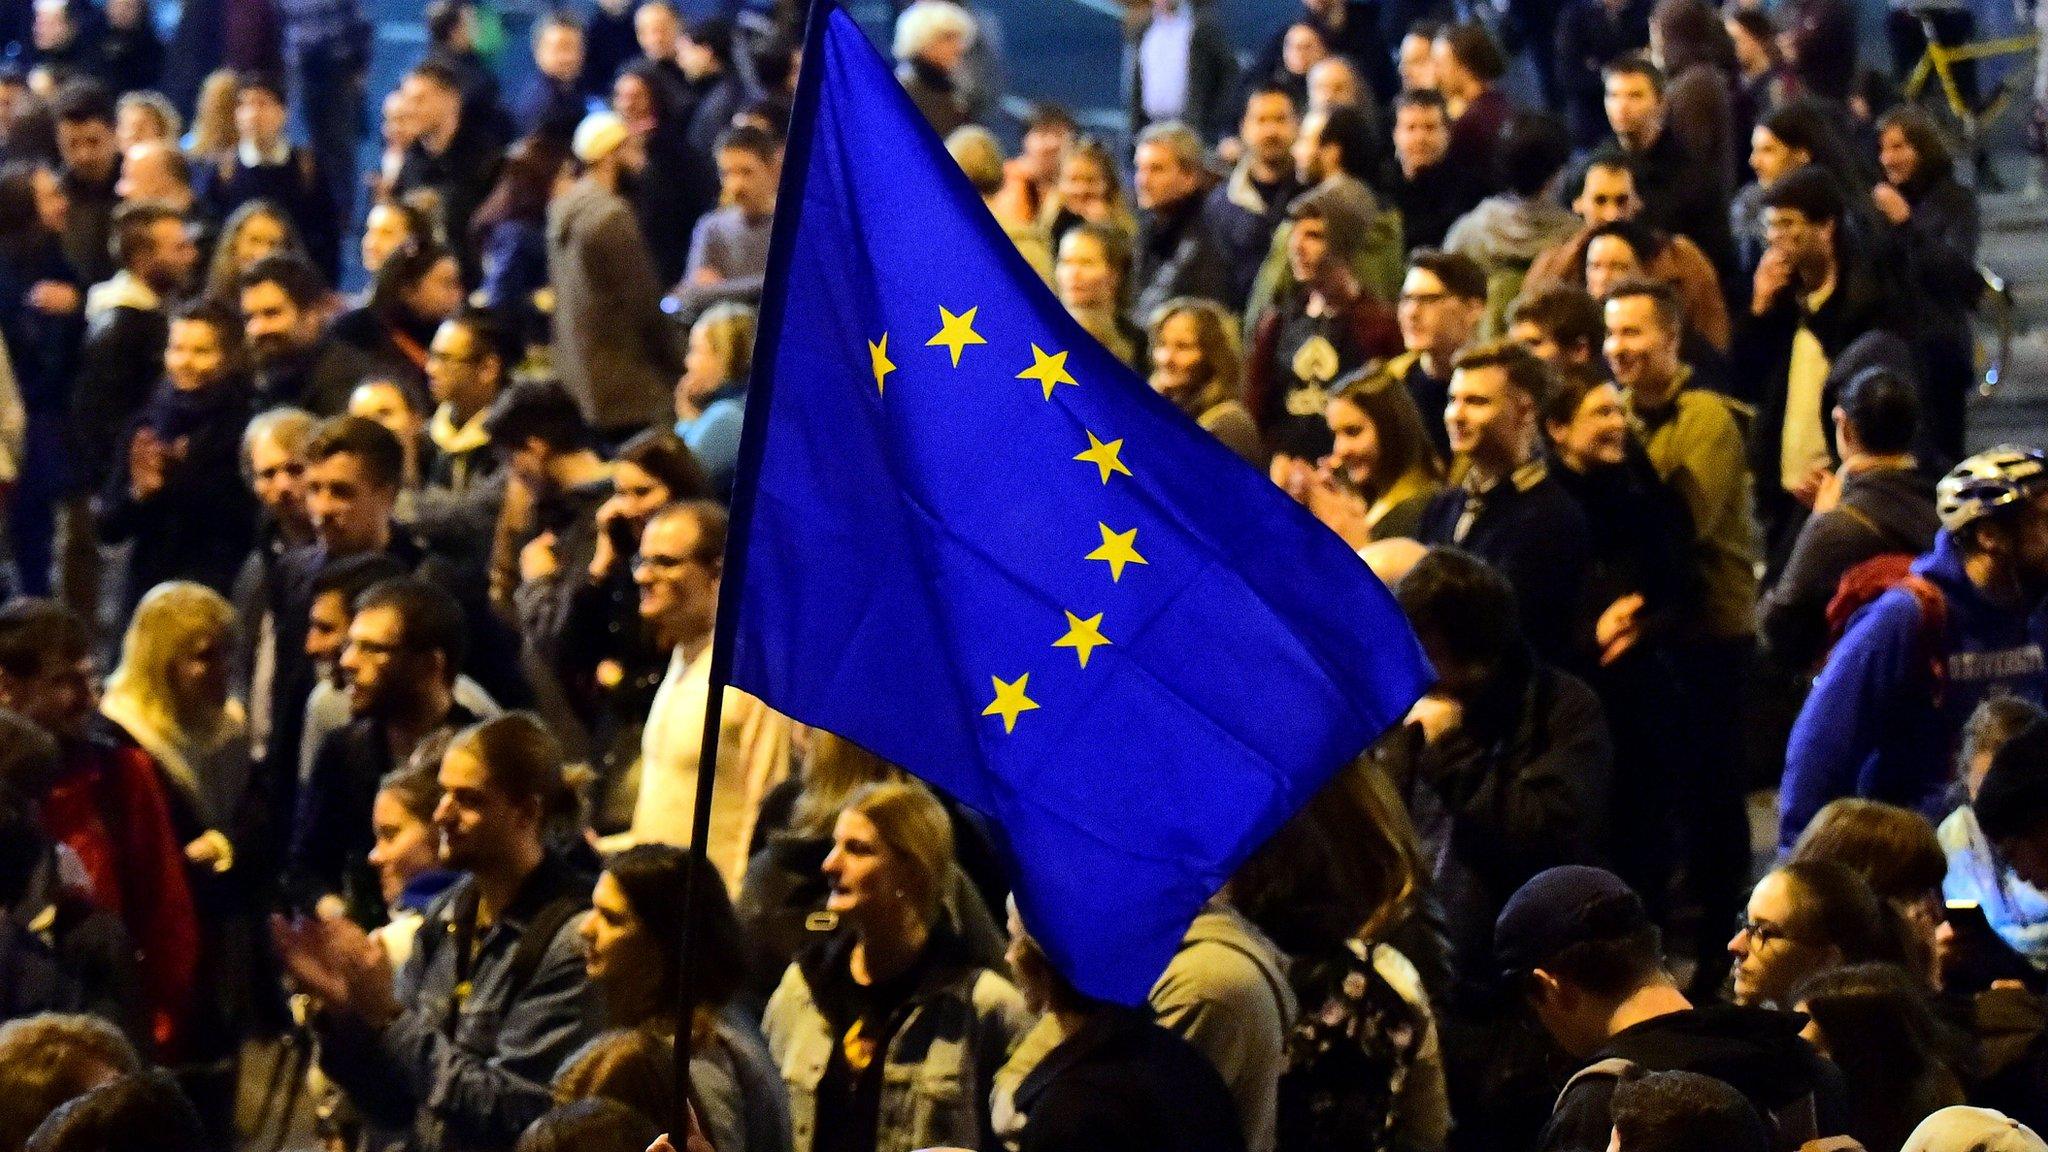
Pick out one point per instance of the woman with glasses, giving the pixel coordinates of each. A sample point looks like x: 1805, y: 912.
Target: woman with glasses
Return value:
x: 1804, y: 918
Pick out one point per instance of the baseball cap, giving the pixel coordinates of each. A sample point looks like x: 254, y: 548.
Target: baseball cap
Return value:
x: 597, y: 136
x: 1961, y: 1129
x: 1560, y: 907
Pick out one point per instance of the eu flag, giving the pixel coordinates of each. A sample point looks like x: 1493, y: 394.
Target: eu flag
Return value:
x: 970, y: 540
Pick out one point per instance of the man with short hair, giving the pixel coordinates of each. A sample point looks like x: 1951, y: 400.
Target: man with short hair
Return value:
x: 90, y: 158
x: 1503, y: 505
x: 615, y: 350
x: 276, y: 476
x: 463, y: 485
x: 157, y: 171
x: 459, y: 1046
x: 1430, y: 193
x: 1885, y: 712
x: 128, y: 325
x: 1561, y: 325
x: 1245, y: 210
x: 405, y: 642
x: 658, y: 31
x: 1579, y: 946
x: 1590, y: 35
x: 729, y: 245
x: 1443, y: 299
x: 297, y: 362
x: 1469, y: 65
x: 457, y: 156
x: 1335, y: 149
x: 547, y: 450
x: 1685, y: 1112
x: 266, y: 165
x: 1878, y: 501
x: 1177, y: 253
x: 677, y: 571
x: 1032, y: 176
x: 1681, y: 190
x: 552, y: 104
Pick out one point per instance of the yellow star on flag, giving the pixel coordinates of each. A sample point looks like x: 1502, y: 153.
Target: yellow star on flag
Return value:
x: 956, y: 332
x: 1104, y: 456
x: 1083, y: 636
x: 1118, y: 549
x: 1010, y: 701
x: 878, y: 359
x: 1049, y: 369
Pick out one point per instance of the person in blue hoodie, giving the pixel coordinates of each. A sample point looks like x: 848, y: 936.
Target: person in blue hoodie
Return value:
x: 1886, y: 712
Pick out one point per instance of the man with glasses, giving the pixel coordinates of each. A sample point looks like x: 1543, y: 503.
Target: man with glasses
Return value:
x: 678, y: 568
x: 1579, y: 946
x: 1443, y: 299
x: 405, y: 642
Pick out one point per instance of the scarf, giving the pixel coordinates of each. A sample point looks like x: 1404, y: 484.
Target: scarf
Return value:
x: 210, y: 776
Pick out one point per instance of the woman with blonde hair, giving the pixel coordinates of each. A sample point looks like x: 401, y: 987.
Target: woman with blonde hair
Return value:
x: 1382, y: 469
x: 213, y: 133
x: 169, y: 698
x: 1087, y: 192
x: 711, y: 395
x: 1198, y: 363
x: 253, y: 231
x: 888, y: 1016
x: 1091, y: 275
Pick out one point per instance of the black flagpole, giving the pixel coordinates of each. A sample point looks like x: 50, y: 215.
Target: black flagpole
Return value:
x: 753, y: 443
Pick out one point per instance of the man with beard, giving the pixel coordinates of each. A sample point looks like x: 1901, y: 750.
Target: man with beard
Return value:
x: 405, y: 642
x: 296, y: 361
x: 616, y: 351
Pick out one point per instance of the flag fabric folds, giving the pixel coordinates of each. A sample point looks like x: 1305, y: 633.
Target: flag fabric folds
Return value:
x: 971, y: 541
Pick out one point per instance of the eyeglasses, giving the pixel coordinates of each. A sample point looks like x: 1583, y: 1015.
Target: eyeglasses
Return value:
x: 1761, y: 932
x: 665, y: 564
x: 1424, y: 297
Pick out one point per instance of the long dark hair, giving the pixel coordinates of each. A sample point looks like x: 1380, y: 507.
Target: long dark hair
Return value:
x: 523, y: 187
x: 407, y: 265
x: 662, y: 454
x: 655, y: 878
x: 21, y: 224
x: 1896, y: 1055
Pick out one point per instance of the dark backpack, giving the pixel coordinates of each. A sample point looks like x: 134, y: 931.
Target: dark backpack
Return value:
x: 1862, y: 585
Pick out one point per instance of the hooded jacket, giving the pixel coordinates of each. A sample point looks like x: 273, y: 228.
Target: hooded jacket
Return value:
x: 1882, y: 510
x: 1754, y: 1050
x: 618, y: 353
x: 1873, y: 726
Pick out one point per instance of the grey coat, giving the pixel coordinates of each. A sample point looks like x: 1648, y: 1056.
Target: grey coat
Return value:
x: 616, y: 351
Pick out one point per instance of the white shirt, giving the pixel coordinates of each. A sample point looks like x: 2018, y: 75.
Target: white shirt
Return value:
x: 1163, y: 64
x: 1803, y: 445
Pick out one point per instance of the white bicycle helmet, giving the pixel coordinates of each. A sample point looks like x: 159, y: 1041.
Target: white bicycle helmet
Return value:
x: 1988, y: 481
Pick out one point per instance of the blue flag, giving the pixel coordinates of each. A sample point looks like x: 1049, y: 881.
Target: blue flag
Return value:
x: 970, y: 540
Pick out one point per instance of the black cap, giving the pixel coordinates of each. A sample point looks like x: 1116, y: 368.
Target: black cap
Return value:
x: 1560, y: 907
x: 2013, y: 800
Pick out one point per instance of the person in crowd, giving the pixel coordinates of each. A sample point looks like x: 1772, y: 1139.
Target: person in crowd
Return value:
x: 1607, y: 193
x: 1562, y: 325
x: 296, y: 361
x: 1590, y: 35
x: 91, y: 164
x: 1871, y: 726
x: 1177, y: 252
x: 156, y: 170
x: 1178, y: 67
x: 1681, y: 191
x: 275, y: 473
x: 616, y: 351
x: 1335, y: 148
x: 592, y: 1125
x: 397, y: 129
x: 2016, y: 910
x: 1323, y: 325
x: 1504, y: 766
x: 553, y: 102
x: 1897, y: 1057
x: 1581, y: 949
x: 1685, y: 1112
x: 457, y: 1046
x: 509, y: 233
x: 980, y: 157
x: 328, y: 616
x: 1381, y: 472
x: 1898, y: 853
x: 1506, y: 232
x: 608, y: 45
x: 1812, y: 296
x: 404, y: 849
x: 1334, y: 83
x: 729, y: 246
x: 251, y: 233
x: 1031, y: 178
x: 212, y: 134
x: 1247, y: 208
x: 1468, y: 66
x: 143, y: 116
x: 1785, y: 139
x: 405, y: 642
x: 931, y: 45
x: 1429, y: 191
x: 1762, y: 82
x: 174, y: 489
x: 1196, y: 363
x: 1691, y: 47
x: 677, y: 572
x: 678, y: 185
x: 1415, y: 54
x: 1932, y: 219
x: 2011, y: 806
x: 1877, y: 502
x: 49, y: 1059
x: 128, y: 318
x: 169, y: 699
x: 632, y: 940
x: 131, y: 54
x: 386, y: 401
x: 142, y: 1109
x: 1341, y: 887
x: 418, y: 287
x: 1088, y: 191
x: 1112, y: 1075
x: 552, y: 466
x: 1804, y: 918
x: 1819, y: 41
x: 711, y: 395
x: 456, y: 154
x: 867, y: 1020
x: 468, y: 363
x: 1503, y: 506
x: 42, y: 323
x: 1443, y: 299
x: 1301, y: 49
x: 658, y: 34
x: 717, y: 86
x: 1091, y: 276
x: 1353, y: 32
x: 266, y: 165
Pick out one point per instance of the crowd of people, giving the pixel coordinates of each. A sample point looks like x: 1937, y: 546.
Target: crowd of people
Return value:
x: 355, y: 654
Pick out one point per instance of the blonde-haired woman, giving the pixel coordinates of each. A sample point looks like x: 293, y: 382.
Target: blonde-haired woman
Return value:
x: 213, y: 133
x: 257, y: 229
x: 711, y: 395
x: 1198, y: 364
x: 887, y: 1016
x: 1087, y: 191
x: 169, y: 698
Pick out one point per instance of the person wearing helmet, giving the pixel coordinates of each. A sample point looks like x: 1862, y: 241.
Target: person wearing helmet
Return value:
x: 1886, y: 710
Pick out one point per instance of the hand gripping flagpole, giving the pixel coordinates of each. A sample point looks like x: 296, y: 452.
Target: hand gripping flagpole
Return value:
x: 753, y: 443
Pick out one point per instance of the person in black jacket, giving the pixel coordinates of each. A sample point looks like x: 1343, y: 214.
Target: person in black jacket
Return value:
x: 42, y: 321
x: 1177, y: 253
x: 175, y: 489
x: 1430, y: 192
x: 1116, y: 1079
x: 456, y: 154
x: 1592, y: 34
x: 266, y: 165
x: 1579, y: 946
x: 128, y: 325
